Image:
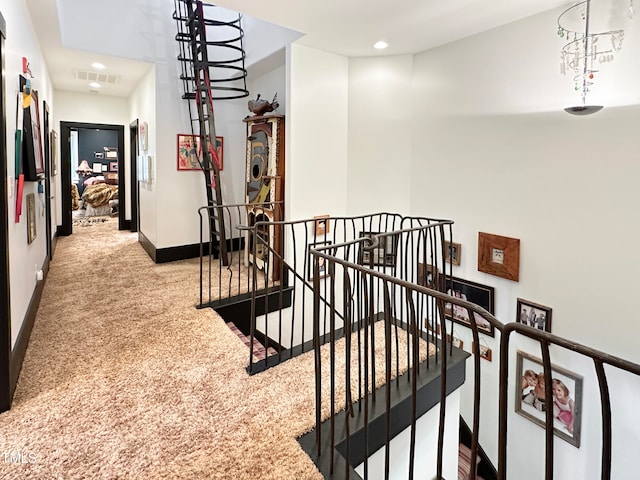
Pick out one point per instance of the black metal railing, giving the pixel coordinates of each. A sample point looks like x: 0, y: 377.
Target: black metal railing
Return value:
x: 360, y: 389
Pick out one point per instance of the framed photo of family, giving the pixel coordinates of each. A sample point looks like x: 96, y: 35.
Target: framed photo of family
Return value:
x: 534, y: 315
x: 566, y: 389
x: 481, y: 295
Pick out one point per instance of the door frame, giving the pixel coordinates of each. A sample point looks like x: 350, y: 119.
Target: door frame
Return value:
x: 47, y: 179
x: 133, y: 175
x: 5, y: 277
x: 65, y: 171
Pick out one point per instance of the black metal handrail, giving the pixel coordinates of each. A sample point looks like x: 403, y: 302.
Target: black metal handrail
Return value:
x: 378, y: 294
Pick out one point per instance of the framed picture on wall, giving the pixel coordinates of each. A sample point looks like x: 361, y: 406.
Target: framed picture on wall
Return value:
x: 190, y: 152
x: 533, y: 314
x: 481, y: 295
x: 323, y: 272
x: 113, y: 166
x: 566, y: 390
x: 31, y: 218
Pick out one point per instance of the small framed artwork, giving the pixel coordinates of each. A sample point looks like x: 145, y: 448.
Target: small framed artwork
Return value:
x: 323, y: 272
x: 481, y: 295
x: 534, y: 315
x: 452, y: 252
x: 499, y: 256
x: 113, y: 166
x: 566, y: 389
x: 484, y: 351
x: 111, y: 153
x: 31, y: 218
x: 54, y: 152
x: 322, y: 225
x: 143, y: 128
x: 190, y: 152
x: 382, y: 254
x: 429, y: 276
x: 96, y: 167
x: 98, y: 155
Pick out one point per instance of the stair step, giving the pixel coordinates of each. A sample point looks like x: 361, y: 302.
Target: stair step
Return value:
x: 259, y: 352
x: 464, y: 462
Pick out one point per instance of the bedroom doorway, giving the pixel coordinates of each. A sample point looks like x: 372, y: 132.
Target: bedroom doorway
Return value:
x: 97, y: 161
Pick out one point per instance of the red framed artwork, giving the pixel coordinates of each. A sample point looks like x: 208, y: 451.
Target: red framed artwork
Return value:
x: 190, y: 152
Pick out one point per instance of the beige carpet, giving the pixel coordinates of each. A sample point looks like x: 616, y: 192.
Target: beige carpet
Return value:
x: 124, y: 378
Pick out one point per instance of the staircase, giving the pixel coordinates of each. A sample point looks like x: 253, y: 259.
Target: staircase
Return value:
x: 212, y: 64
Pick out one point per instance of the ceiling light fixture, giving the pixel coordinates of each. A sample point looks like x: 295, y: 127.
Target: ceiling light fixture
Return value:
x: 98, y: 66
x: 381, y: 45
x: 95, y: 85
x: 583, y: 50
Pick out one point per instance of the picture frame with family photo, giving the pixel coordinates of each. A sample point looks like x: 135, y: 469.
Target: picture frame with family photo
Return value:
x: 566, y: 393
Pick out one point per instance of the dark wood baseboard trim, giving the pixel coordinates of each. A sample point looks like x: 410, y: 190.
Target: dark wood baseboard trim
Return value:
x: 182, y: 252
x: 54, y: 243
x: 20, y: 348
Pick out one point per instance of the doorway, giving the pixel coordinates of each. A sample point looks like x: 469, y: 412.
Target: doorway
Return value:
x: 66, y: 170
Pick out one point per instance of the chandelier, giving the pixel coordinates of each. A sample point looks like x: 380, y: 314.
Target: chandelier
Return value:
x: 585, y: 51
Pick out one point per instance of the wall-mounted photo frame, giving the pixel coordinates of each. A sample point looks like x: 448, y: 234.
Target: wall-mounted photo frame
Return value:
x: 111, y: 153
x: 383, y: 254
x: 430, y: 277
x: 323, y: 272
x: 54, y: 152
x: 113, y: 166
x: 499, y: 256
x: 322, y: 225
x: 190, y: 152
x: 31, y: 218
x: 484, y: 351
x: 143, y: 135
x: 533, y: 314
x: 452, y: 252
x: 98, y: 155
x: 566, y: 390
x: 481, y: 295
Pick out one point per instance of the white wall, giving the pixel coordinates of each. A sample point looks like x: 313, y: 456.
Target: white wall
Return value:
x: 25, y: 259
x: 85, y: 108
x: 142, y: 106
x: 317, y: 126
x: 493, y: 150
x: 380, y: 132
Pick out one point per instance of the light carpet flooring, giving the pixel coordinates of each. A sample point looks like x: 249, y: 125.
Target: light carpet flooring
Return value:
x: 125, y: 378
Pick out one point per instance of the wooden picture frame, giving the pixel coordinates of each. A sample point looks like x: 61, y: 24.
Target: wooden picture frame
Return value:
x: 323, y: 271
x: 452, y: 252
x: 533, y: 314
x: 429, y: 276
x: 530, y: 401
x: 499, y: 256
x: 322, y: 226
x: 481, y: 295
x: 113, y: 166
x: 32, y: 233
x: 190, y: 152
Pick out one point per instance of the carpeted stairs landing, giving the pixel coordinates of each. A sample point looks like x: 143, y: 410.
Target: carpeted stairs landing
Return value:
x: 124, y: 378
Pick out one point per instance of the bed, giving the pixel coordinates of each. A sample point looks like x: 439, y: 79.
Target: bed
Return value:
x: 100, y: 199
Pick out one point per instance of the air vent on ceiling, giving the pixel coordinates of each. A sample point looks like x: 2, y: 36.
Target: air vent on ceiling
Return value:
x: 97, y: 77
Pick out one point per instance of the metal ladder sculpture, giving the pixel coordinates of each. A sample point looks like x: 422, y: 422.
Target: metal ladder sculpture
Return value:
x: 212, y: 60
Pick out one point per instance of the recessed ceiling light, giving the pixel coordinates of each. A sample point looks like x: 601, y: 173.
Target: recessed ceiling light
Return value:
x: 95, y: 85
x: 380, y: 45
x: 98, y: 66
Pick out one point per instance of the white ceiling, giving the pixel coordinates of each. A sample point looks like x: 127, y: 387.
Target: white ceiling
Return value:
x: 347, y: 28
